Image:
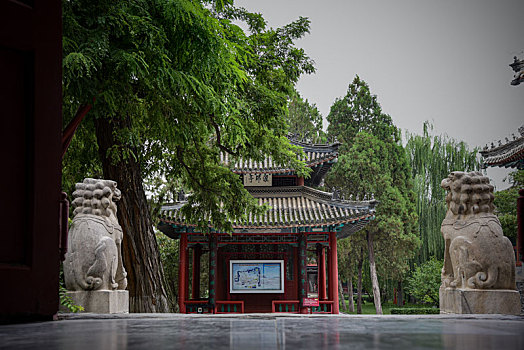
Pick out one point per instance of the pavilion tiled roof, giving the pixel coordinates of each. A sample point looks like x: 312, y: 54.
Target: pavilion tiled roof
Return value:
x: 315, y: 154
x: 293, y: 207
x: 508, y: 155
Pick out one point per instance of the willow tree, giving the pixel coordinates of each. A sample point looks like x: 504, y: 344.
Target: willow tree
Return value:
x: 373, y: 164
x: 173, y: 85
x: 432, y: 158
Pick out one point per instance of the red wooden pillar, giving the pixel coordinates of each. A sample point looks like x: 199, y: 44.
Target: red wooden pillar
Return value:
x: 195, y: 288
x: 182, y: 273
x: 333, y: 271
x: 300, y: 181
x: 329, y: 294
x: 520, y: 223
x: 321, y: 267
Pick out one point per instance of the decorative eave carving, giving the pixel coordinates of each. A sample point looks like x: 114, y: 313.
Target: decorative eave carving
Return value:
x: 509, y: 154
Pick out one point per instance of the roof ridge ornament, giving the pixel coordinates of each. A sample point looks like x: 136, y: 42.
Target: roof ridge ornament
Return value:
x: 181, y: 196
x: 518, y: 68
x: 336, y: 194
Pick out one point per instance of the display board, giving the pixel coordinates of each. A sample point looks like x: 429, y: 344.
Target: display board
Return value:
x: 256, y: 276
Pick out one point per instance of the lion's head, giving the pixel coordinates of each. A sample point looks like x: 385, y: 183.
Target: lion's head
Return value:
x: 96, y: 196
x: 468, y: 193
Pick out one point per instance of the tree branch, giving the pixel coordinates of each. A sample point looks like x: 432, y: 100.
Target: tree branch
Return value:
x: 219, y: 137
x: 193, y: 178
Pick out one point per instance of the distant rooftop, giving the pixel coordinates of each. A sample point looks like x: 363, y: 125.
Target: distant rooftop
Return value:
x: 315, y: 154
x: 508, y: 154
x: 518, y: 68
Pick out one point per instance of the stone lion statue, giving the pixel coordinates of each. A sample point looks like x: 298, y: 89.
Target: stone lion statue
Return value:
x: 94, y: 260
x: 477, y: 254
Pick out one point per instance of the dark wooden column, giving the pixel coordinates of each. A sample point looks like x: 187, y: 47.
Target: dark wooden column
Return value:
x: 182, y: 274
x: 30, y: 143
x: 333, y: 276
x: 213, y: 250
x: 195, y: 287
x: 321, y: 267
x: 520, y: 223
x: 302, y: 268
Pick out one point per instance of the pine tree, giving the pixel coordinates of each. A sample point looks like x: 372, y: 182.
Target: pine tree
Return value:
x: 373, y: 164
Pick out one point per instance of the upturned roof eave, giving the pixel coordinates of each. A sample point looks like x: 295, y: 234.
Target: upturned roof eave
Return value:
x: 320, y: 211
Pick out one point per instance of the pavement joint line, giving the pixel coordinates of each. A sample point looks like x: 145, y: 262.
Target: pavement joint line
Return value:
x: 274, y: 316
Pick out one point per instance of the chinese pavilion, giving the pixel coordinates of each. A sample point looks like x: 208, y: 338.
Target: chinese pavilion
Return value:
x: 510, y: 154
x: 262, y: 266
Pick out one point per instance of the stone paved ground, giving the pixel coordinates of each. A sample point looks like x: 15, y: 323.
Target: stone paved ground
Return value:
x: 267, y: 331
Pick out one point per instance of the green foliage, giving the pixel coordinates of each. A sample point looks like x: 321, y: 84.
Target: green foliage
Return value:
x: 432, y: 158
x: 369, y: 309
x: 190, y: 86
x: 373, y: 164
x: 66, y: 301
x: 304, y: 120
x: 414, y: 311
x: 424, y: 282
x: 359, y: 111
x: 169, y: 252
x: 506, y: 205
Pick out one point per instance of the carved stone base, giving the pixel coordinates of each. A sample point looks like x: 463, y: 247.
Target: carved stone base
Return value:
x: 479, y: 301
x: 102, y: 301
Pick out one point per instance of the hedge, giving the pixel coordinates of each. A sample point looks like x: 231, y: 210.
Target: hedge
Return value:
x: 414, y: 311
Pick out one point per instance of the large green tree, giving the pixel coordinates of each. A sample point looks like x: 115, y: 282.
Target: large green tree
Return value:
x: 175, y: 84
x: 432, y: 158
x: 373, y: 164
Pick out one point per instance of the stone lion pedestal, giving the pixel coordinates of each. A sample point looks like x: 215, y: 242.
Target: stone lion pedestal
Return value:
x: 93, y: 270
x: 478, y: 276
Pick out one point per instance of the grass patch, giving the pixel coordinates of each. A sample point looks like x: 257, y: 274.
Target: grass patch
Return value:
x: 414, y: 311
x: 369, y: 308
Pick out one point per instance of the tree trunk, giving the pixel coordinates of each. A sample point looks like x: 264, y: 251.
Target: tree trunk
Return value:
x: 350, y: 295
x: 400, y: 294
x: 359, y: 281
x: 141, y: 257
x: 341, y: 294
x: 373, y: 274
x: 350, y: 286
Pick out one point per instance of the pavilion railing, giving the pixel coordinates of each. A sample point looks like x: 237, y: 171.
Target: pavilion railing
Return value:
x: 290, y: 306
x: 198, y: 307
x: 325, y: 307
x: 229, y: 307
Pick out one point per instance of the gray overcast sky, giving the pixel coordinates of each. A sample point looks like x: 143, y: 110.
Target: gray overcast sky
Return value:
x: 441, y: 60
